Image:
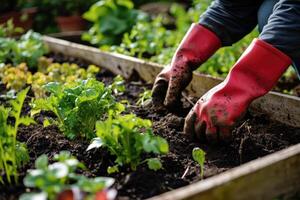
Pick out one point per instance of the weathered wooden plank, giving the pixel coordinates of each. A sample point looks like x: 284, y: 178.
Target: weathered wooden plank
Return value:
x: 284, y: 108
x: 264, y: 178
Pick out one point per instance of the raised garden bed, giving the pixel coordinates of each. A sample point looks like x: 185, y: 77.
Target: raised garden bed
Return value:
x: 272, y: 176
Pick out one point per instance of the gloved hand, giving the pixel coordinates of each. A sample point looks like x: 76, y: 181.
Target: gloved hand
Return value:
x: 254, y: 74
x: 196, y: 47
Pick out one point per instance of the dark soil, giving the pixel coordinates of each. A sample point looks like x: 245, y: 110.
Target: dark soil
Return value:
x: 257, y: 136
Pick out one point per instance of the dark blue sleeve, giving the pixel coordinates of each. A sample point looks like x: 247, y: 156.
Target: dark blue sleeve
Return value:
x: 231, y: 20
x: 283, y: 28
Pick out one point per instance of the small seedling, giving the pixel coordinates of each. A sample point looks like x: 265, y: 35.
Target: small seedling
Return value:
x: 199, y: 157
x: 143, y: 97
x: 118, y: 86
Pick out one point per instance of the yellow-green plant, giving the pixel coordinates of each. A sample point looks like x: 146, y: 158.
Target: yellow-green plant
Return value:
x: 17, y: 77
x: 199, y: 156
x: 13, y: 153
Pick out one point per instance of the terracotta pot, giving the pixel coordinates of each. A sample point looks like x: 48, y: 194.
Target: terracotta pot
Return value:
x: 16, y: 16
x: 70, y: 23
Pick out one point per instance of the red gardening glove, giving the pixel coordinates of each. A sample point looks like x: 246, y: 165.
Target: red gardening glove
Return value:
x: 196, y: 47
x: 254, y: 74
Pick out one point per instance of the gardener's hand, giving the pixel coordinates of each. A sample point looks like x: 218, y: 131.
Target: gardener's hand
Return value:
x: 255, y: 73
x: 197, y: 46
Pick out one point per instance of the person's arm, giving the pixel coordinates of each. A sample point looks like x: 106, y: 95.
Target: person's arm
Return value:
x: 231, y: 20
x: 254, y: 74
x: 225, y: 22
x: 283, y: 28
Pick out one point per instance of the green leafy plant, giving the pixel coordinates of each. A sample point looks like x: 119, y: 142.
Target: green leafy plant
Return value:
x: 199, y: 156
x: 13, y: 153
x: 111, y: 19
x: 147, y: 38
x: 15, y: 78
x: 52, y: 179
x: 143, y: 97
x: 117, y: 85
x: 8, y: 29
x: 78, y: 106
x: 26, y: 49
x: 128, y: 137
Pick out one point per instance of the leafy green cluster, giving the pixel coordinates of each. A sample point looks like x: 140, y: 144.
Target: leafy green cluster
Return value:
x: 146, y: 39
x: 128, y: 137
x: 26, y: 49
x: 17, y: 77
x: 78, y: 106
x: 111, y: 19
x: 52, y: 179
x: 13, y: 153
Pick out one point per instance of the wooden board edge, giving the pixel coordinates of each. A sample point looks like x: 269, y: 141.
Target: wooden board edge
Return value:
x: 280, y: 107
x: 263, y: 178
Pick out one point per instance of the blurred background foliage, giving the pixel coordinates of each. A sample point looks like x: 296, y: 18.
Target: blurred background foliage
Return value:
x: 152, y: 35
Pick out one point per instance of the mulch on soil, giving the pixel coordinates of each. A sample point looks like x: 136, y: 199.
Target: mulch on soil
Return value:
x: 257, y: 136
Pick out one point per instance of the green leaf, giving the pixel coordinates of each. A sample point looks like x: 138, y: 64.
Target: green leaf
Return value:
x: 94, y: 185
x: 13, y: 154
x: 41, y: 162
x: 154, y: 164
x: 34, y: 196
x: 26, y: 121
x: 113, y: 169
x: 22, y: 155
x: 53, y: 87
x: 155, y: 144
x: 96, y: 143
x: 54, y: 178
x: 199, y: 156
x: 46, y: 122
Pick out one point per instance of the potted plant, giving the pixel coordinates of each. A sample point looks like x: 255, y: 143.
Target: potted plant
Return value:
x: 68, y: 14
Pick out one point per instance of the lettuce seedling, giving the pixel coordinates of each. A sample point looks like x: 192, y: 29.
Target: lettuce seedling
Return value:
x: 144, y: 97
x: 111, y: 19
x: 199, y: 156
x: 117, y: 85
x: 128, y: 137
x: 15, y: 77
x: 13, y: 153
x: 27, y: 49
x: 52, y: 179
x: 78, y: 106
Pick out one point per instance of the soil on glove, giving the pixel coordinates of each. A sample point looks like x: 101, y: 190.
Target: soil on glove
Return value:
x: 257, y: 136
